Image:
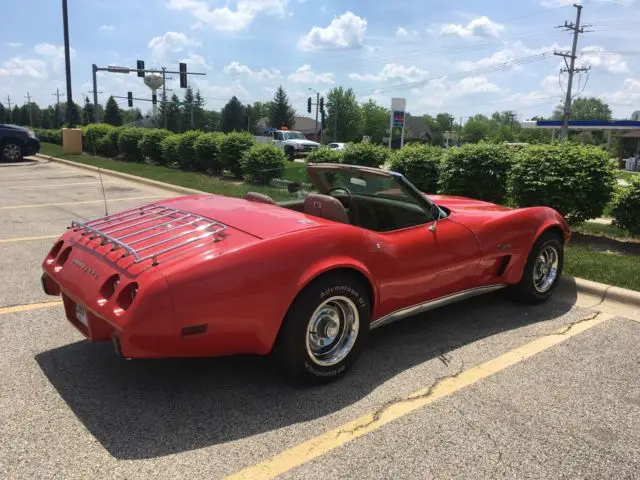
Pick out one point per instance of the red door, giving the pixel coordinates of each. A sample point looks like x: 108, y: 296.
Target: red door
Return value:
x: 415, y: 264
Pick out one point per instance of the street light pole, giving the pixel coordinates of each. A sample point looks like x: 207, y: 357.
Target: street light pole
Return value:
x: 67, y: 63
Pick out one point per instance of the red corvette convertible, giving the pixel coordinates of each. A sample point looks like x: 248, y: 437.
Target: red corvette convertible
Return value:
x: 306, y: 279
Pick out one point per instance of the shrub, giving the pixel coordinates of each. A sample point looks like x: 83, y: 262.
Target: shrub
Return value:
x: 150, y: 144
x: 169, y: 147
x: 261, y: 163
x: 185, y: 152
x: 128, y: 143
x: 576, y: 180
x: 49, y: 135
x: 478, y: 171
x: 626, y: 208
x: 325, y: 155
x: 232, y: 148
x: 365, y: 154
x: 420, y: 164
x: 91, y: 135
x: 106, y: 146
x: 207, y: 151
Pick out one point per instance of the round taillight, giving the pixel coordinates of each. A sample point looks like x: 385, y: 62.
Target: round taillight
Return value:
x: 127, y: 296
x: 109, y: 287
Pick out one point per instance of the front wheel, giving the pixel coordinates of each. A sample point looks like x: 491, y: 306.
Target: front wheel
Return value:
x: 291, y: 154
x: 11, y: 151
x: 325, y: 329
x: 542, y: 271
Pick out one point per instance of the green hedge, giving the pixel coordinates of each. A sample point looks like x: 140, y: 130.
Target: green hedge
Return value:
x: 576, y: 180
x: 107, y: 147
x: 49, y: 135
x: 232, y: 148
x: 129, y: 143
x: 169, y: 147
x: 626, y: 208
x: 365, y: 154
x: 476, y: 170
x: 207, y: 152
x: 325, y: 155
x: 186, y: 155
x: 261, y: 163
x: 151, y: 144
x: 420, y: 164
x: 91, y: 135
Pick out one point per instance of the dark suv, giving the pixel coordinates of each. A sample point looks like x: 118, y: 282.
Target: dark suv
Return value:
x: 17, y: 142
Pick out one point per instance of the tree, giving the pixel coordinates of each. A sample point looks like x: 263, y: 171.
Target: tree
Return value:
x: 89, y: 112
x: 375, y: 120
x: 212, y: 120
x: 2, y: 113
x: 187, y: 110
x: 476, y: 128
x: 47, y: 121
x: 344, y: 119
x: 16, y: 116
x: 112, y: 113
x: 232, y: 116
x: 169, y: 114
x: 583, y: 108
x: 199, y: 117
x: 280, y: 112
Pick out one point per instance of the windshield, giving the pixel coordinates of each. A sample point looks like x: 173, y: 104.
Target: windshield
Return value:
x: 294, y: 136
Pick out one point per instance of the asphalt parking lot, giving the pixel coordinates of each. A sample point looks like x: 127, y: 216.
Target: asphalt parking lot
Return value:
x: 481, y: 389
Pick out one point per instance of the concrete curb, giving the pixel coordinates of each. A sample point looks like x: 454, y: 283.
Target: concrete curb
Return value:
x: 602, y: 291
x: 126, y: 176
x: 582, y: 286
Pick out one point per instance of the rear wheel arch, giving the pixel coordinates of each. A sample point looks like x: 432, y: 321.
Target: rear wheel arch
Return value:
x: 550, y: 229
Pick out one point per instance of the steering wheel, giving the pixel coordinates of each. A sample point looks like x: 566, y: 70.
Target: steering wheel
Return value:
x: 348, y: 205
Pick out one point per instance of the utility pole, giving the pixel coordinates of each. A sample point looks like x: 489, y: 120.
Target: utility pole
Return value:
x: 164, y: 97
x: 571, y: 69
x: 9, y: 109
x: 57, y: 95
x: 67, y: 64
x: 30, y: 112
x: 512, y: 115
x: 317, y: 106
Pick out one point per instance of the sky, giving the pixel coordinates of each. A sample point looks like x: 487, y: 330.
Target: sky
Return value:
x: 463, y: 57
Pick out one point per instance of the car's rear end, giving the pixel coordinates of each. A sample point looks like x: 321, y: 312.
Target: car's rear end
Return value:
x: 109, y: 273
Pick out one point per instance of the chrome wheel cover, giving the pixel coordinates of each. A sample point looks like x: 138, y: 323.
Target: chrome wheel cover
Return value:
x: 11, y: 152
x: 545, y: 270
x: 332, y: 331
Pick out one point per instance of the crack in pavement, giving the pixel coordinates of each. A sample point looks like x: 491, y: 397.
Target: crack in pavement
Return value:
x: 484, y: 432
x: 569, y: 327
x: 411, y: 398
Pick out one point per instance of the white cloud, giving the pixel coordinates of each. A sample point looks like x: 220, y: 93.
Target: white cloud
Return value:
x: 439, y: 93
x: 566, y: 3
x: 236, y: 68
x: 23, y: 67
x: 14, y: 44
x: 482, y: 27
x: 306, y: 75
x: 107, y: 28
x: 170, y: 42
x: 54, y: 55
x: 628, y: 94
x: 344, y: 32
x: 509, y: 53
x: 401, y: 32
x: 392, y: 71
x: 598, y: 58
x: 230, y: 19
x: 471, y: 85
x: 195, y: 60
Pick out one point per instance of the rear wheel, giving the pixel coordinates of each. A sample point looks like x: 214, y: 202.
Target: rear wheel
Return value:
x: 11, y: 151
x: 325, y: 329
x: 291, y: 153
x: 542, y: 271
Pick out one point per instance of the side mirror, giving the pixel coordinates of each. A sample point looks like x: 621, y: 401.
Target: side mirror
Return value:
x: 435, y: 212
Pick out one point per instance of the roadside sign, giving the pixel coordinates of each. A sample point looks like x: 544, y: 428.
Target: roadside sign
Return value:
x: 114, y: 69
x: 398, y: 119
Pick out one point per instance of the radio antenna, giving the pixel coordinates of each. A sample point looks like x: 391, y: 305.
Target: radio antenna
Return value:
x: 104, y: 195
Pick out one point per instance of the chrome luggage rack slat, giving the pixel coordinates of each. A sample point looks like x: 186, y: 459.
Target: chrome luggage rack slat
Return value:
x: 132, y: 223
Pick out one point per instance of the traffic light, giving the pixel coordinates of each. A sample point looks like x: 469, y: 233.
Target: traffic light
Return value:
x: 309, y: 104
x: 321, y: 103
x: 183, y: 75
x: 130, y: 99
x: 322, y: 115
x: 140, y: 68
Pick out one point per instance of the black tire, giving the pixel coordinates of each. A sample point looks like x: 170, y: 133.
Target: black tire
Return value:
x: 291, y: 153
x: 11, y: 146
x: 527, y: 291
x: 292, y: 351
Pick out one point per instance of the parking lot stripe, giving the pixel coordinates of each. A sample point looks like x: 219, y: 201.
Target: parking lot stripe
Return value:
x: 83, y: 202
x: 27, y: 239
x: 443, y: 387
x: 29, y: 306
x: 52, y: 185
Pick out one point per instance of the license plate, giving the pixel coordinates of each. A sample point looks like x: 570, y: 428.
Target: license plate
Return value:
x: 81, y: 315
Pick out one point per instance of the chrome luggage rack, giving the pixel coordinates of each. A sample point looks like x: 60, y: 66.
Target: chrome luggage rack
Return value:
x: 164, y: 225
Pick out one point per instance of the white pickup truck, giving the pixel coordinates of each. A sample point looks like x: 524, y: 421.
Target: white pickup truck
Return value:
x: 294, y: 144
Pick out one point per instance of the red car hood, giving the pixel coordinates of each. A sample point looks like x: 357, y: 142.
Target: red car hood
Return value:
x: 463, y: 204
x: 257, y: 219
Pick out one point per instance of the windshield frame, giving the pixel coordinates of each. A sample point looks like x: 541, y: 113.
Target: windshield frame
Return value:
x: 298, y: 135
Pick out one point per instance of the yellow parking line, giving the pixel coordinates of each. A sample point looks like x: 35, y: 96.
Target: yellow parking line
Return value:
x: 315, y: 447
x: 83, y: 202
x: 27, y: 239
x: 29, y: 306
